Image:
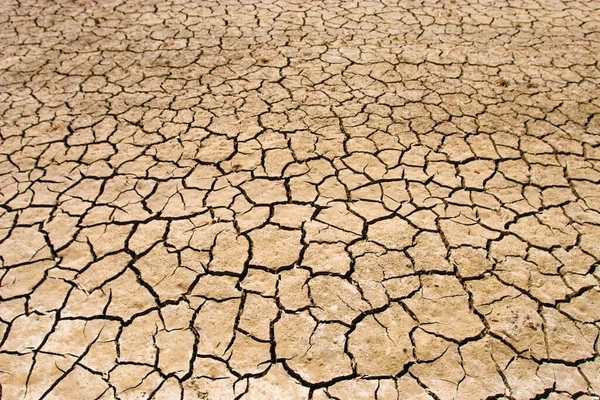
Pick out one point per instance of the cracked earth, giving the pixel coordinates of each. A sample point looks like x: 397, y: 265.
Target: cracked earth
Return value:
x: 300, y: 199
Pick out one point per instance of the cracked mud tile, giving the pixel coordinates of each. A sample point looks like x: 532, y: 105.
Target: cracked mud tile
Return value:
x: 380, y: 343
x: 274, y: 247
x: 314, y: 352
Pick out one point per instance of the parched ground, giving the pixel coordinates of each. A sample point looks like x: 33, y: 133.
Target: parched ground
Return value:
x: 300, y: 199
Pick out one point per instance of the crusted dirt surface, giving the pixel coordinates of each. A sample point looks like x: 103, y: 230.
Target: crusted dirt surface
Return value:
x: 300, y: 199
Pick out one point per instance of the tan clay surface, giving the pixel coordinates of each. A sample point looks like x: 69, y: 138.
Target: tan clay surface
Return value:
x: 278, y: 199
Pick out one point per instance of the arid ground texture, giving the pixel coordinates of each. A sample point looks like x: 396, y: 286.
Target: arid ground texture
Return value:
x: 290, y: 200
